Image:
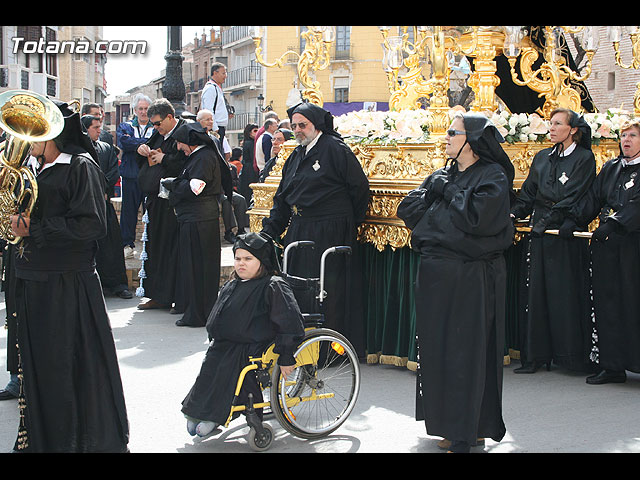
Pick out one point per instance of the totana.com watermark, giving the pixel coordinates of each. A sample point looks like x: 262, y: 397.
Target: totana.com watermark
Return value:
x: 81, y: 46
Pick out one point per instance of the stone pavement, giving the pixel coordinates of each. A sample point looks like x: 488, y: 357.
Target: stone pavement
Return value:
x: 555, y: 412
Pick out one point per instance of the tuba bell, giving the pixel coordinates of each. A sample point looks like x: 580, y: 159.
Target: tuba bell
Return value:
x: 26, y: 117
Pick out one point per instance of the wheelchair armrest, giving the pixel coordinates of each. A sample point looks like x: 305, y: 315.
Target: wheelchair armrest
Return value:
x: 313, y: 320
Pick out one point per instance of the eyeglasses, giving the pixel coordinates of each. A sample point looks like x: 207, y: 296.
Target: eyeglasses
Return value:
x: 301, y: 125
x: 452, y: 133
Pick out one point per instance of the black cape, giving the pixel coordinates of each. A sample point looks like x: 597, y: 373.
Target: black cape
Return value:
x: 557, y: 325
x: 72, y: 388
x: 162, y: 229
x: 615, y: 197
x: 110, y: 256
x: 460, y: 301
x: 322, y: 197
x: 247, y: 317
x: 248, y: 174
x: 198, y: 266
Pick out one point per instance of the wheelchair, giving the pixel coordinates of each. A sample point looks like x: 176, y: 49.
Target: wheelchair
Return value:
x: 319, y: 395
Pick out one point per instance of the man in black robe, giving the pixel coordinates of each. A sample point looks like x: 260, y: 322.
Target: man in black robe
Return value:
x: 614, y: 198
x: 461, y: 227
x: 322, y: 197
x: 557, y: 323
x: 110, y: 256
x: 73, y: 398
x: 157, y: 159
x: 194, y: 195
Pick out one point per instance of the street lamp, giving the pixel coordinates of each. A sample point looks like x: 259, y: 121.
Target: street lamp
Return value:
x: 268, y: 108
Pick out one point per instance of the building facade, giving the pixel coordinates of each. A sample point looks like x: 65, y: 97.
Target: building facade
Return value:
x: 53, y: 61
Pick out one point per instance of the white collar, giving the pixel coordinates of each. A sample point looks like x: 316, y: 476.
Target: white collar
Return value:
x: 63, y: 158
x: 169, y: 134
x: 196, y: 149
x: 565, y: 152
x: 314, y: 141
x: 634, y: 161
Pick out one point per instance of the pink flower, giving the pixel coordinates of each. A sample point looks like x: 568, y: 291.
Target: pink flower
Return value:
x: 537, y: 125
x: 605, y: 131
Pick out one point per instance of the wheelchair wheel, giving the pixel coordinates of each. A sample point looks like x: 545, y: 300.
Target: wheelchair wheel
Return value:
x: 323, y: 389
x: 260, y: 441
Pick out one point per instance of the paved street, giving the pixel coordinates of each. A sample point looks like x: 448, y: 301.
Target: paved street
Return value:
x: 546, y: 412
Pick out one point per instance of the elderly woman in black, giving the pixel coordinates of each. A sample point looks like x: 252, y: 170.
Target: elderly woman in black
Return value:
x: 614, y: 198
x: 194, y: 195
x: 461, y: 227
x: 254, y: 309
x: 558, y: 318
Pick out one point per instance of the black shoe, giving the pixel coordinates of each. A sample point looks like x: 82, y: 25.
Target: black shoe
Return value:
x: 459, y: 447
x: 531, y: 367
x: 126, y: 294
x: 7, y: 395
x: 230, y: 237
x: 607, y: 376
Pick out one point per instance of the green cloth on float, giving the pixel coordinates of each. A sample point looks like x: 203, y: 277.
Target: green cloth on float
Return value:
x: 389, y: 279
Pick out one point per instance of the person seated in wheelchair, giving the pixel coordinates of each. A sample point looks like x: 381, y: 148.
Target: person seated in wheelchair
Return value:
x: 255, y: 309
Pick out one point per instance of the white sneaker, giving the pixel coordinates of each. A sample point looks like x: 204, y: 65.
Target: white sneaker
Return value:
x: 191, y: 426
x: 128, y: 252
x: 205, y: 428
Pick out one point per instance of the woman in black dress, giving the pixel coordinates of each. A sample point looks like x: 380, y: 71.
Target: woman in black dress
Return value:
x: 558, y: 319
x: 254, y: 309
x: 461, y: 228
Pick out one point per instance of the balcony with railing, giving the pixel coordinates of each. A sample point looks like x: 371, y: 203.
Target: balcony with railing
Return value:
x: 243, y: 76
x: 236, y: 34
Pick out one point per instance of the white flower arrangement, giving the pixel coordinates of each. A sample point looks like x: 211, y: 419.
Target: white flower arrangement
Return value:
x: 411, y: 126
x: 520, y: 127
x: 607, y: 124
x: 408, y: 126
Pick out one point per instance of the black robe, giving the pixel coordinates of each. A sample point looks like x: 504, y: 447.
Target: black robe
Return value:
x: 615, y: 197
x: 248, y: 175
x: 247, y: 317
x: 460, y: 301
x: 162, y: 229
x: 110, y: 255
x: 72, y: 387
x: 198, y: 270
x: 322, y: 197
x: 558, y: 319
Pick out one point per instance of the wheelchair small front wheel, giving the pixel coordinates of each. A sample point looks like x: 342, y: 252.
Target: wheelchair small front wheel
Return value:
x: 260, y: 441
x: 322, y: 391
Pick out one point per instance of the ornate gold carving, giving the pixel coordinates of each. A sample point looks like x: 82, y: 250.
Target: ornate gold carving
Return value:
x: 395, y: 170
x: 382, y: 235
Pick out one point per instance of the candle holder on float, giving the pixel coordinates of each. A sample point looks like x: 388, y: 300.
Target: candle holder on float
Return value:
x: 432, y: 44
x: 552, y: 78
x: 615, y: 36
x: 315, y: 56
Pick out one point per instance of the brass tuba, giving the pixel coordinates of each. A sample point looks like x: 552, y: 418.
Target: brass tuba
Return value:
x: 26, y: 117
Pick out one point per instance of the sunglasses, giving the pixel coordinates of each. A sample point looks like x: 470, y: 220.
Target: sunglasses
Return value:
x: 452, y: 133
x: 157, y: 124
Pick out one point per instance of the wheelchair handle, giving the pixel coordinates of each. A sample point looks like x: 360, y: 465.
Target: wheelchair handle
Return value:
x: 325, y: 254
x: 300, y: 243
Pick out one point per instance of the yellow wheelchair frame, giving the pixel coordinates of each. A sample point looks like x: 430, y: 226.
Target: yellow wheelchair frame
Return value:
x: 323, y: 389
x: 322, y: 350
